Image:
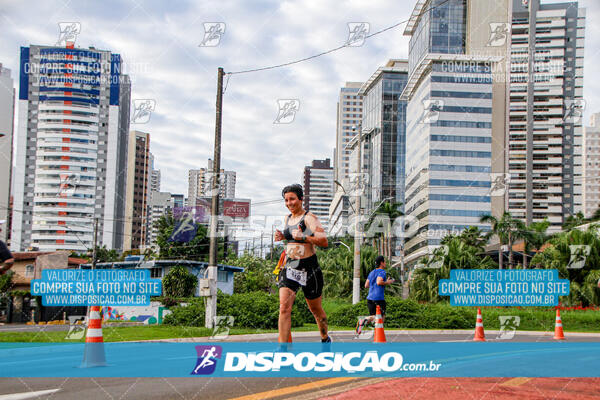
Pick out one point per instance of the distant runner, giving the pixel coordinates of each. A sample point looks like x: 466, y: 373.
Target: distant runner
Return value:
x: 376, y: 282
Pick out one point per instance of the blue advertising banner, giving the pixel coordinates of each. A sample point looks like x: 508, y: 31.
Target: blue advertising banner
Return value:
x: 490, y: 287
x: 231, y: 359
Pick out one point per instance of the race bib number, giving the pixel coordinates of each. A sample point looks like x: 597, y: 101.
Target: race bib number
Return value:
x: 296, y: 275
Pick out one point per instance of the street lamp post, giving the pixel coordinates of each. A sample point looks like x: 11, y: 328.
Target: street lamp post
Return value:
x: 357, y: 234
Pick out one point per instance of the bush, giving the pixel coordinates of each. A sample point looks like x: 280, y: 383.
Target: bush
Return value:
x: 179, y: 283
x: 409, y: 314
x: 257, y: 310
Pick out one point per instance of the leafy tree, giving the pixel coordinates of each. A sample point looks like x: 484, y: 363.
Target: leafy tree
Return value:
x: 584, y: 281
x: 105, y: 255
x: 257, y: 276
x: 461, y: 255
x: 179, y: 282
x: 196, y: 249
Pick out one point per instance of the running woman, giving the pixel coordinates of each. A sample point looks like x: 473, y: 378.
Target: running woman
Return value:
x: 303, y: 232
x: 376, y: 282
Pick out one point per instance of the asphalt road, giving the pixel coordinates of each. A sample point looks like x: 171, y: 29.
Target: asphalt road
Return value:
x: 228, y: 388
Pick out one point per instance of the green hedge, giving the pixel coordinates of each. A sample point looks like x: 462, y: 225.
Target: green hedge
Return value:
x: 258, y: 310
x: 408, y: 314
x: 412, y: 315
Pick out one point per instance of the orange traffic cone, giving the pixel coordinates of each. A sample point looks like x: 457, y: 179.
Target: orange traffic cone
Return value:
x: 93, y: 355
x: 558, y: 329
x: 479, y: 333
x: 379, y: 332
x: 290, y: 337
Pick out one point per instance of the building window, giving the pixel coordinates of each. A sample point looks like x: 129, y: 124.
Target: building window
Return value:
x: 29, y: 270
x: 222, y: 276
x: 156, y: 273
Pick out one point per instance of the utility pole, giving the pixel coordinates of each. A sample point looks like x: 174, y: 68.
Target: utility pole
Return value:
x: 93, y: 257
x: 261, y: 244
x: 357, y: 234
x: 211, y: 303
x: 272, y: 233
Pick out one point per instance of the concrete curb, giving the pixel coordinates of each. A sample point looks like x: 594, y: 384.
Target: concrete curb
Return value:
x: 315, y: 335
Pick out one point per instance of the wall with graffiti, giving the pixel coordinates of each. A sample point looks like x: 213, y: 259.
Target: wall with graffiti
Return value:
x: 149, y: 315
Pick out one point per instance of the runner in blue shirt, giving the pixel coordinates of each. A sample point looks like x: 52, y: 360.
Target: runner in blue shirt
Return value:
x: 376, y: 282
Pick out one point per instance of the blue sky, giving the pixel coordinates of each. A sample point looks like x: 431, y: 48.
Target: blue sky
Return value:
x: 159, y: 43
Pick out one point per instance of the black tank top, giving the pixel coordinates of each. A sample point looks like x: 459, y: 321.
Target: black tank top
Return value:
x: 287, y: 232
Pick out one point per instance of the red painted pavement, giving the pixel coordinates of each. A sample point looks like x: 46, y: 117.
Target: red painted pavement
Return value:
x: 477, y: 389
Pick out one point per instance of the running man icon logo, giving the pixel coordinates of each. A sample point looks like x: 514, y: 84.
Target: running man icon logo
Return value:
x: 185, y: 230
x: 142, y: 110
x: 213, y: 31
x: 287, y: 111
x: 77, y: 325
x: 221, y: 326
x: 207, y: 359
x: 508, y: 326
x: 357, y: 33
x: 431, y: 111
x: 436, y: 260
x: 68, y: 32
x: 579, y: 253
x: 498, y: 34
x: 574, y: 110
x: 68, y: 184
x: 499, y: 183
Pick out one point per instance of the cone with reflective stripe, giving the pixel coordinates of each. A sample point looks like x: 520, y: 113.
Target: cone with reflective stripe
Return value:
x: 558, y: 329
x: 479, y: 333
x: 379, y: 332
x: 93, y: 355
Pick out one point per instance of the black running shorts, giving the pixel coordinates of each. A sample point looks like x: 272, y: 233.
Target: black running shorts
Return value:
x: 372, y: 305
x: 314, y: 278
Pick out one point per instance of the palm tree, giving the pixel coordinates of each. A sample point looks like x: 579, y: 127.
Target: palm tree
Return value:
x: 574, y: 220
x: 535, y: 238
x: 508, y: 230
x: 390, y: 211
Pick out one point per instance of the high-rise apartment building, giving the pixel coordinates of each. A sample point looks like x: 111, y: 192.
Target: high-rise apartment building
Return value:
x: 318, y: 189
x: 591, y: 167
x: 349, y: 114
x: 159, y: 205
x: 200, y: 181
x: 454, y: 143
x: 545, y: 132
x: 384, y: 134
x: 73, y: 129
x: 138, y: 169
x: 7, y: 112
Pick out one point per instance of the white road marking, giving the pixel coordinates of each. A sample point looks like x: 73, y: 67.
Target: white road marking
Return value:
x: 27, y: 395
